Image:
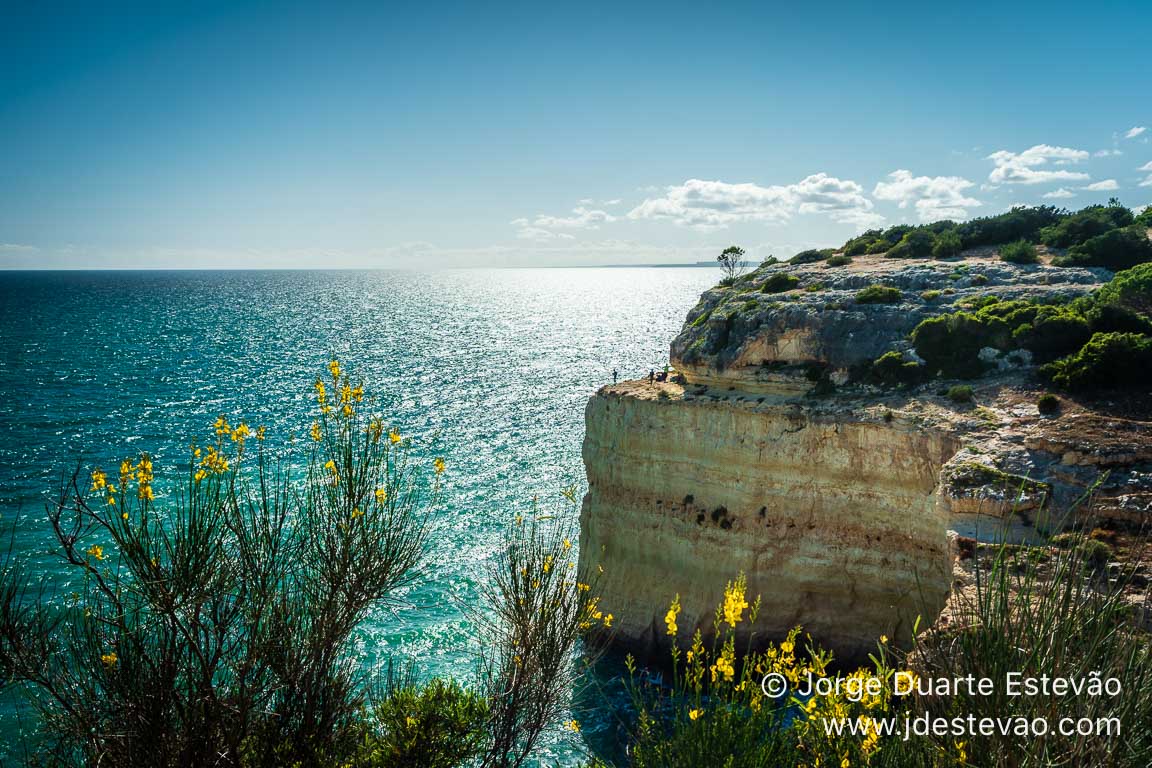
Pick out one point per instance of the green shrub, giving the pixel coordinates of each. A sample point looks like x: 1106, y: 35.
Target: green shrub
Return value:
x: 1053, y: 332
x: 1020, y: 223
x: 879, y: 294
x: 215, y: 620
x: 891, y: 370
x: 1115, y: 250
x: 1130, y: 289
x: 439, y: 725
x: 1085, y: 224
x: 811, y: 256
x: 1048, y: 404
x: 814, y: 287
x: 1107, y: 361
x: 1096, y: 554
x: 931, y: 295
x: 951, y: 344
x: 858, y: 245
x: 839, y: 260
x: 878, y: 246
x: 979, y: 280
x: 960, y: 393
x: 1019, y: 252
x: 896, y: 232
x: 779, y: 282
x: 916, y: 244
x: 1145, y: 218
x: 948, y: 245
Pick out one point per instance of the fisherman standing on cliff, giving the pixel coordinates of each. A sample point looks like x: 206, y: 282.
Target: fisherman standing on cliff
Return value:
x: 651, y: 375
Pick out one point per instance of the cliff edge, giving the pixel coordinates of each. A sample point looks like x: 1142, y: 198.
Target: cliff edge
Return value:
x: 795, y: 451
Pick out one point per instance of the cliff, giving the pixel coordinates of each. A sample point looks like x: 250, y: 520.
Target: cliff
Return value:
x: 835, y: 497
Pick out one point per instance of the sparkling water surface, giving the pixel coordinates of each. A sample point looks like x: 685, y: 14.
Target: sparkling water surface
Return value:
x: 494, y: 366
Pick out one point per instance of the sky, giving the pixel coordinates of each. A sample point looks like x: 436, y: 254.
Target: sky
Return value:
x: 425, y: 134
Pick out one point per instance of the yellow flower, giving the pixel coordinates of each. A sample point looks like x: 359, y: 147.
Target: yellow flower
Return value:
x: 221, y: 426
x: 438, y: 465
x: 330, y: 465
x: 321, y: 392
x: 99, y: 480
x: 346, y: 393
x: 109, y: 659
x: 724, y: 666
x: 315, y: 432
x: 884, y: 639
x: 357, y: 512
x: 734, y: 602
x: 670, y: 617
x: 608, y: 619
x: 358, y: 393
x: 241, y: 433
x: 347, y: 411
x: 694, y: 713
x: 394, y: 436
x: 334, y: 369
x: 111, y: 501
x: 146, y: 494
x: 381, y: 495
x: 96, y: 551
x: 124, y: 516
x: 260, y: 433
x: 200, y: 475
x: 573, y: 726
x: 567, y: 545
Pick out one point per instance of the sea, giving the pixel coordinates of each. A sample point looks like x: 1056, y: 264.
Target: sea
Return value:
x: 488, y: 368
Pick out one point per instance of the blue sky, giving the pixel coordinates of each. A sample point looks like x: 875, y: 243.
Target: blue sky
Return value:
x: 246, y: 134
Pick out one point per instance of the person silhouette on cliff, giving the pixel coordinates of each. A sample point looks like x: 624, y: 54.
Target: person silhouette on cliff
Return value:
x: 651, y: 375
x: 614, y: 375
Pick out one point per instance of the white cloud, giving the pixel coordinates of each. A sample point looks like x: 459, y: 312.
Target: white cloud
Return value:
x: 1027, y: 167
x: 544, y: 227
x: 1059, y: 194
x: 1146, y: 167
x: 714, y: 204
x: 1107, y: 185
x: 1135, y: 131
x: 934, y: 197
x: 708, y: 205
x: 1147, y: 182
x: 1107, y: 153
x: 527, y: 232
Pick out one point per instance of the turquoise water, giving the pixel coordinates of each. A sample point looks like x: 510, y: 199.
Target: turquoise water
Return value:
x: 498, y: 364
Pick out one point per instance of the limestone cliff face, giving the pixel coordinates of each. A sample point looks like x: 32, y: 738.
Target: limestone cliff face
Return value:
x: 834, y: 497
x: 833, y: 517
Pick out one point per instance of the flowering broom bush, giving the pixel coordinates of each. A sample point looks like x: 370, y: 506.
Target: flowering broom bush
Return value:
x: 212, y: 624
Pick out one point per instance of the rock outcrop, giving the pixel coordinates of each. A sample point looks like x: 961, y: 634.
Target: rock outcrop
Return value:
x: 835, y: 498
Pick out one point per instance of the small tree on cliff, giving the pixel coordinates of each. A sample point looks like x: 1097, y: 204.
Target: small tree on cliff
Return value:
x: 732, y: 263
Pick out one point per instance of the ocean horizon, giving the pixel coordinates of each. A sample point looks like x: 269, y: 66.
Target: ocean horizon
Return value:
x: 488, y: 368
